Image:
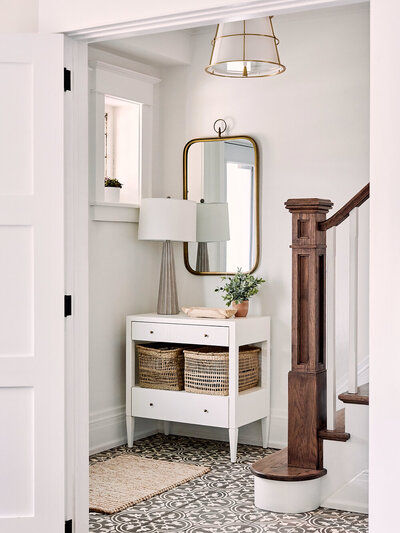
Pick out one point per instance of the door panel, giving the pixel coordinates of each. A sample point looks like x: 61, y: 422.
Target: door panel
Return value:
x: 31, y: 284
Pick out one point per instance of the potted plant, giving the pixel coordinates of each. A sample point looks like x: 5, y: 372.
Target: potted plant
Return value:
x: 238, y: 289
x: 112, y: 190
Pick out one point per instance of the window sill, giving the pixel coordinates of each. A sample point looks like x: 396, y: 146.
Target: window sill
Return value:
x: 110, y: 212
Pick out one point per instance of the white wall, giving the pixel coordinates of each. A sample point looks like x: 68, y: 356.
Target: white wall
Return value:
x: 312, y: 127
x: 19, y: 16
x: 385, y: 265
x: 123, y: 274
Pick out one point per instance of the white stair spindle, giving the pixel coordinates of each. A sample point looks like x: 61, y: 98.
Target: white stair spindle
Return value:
x: 353, y: 301
x: 330, y: 327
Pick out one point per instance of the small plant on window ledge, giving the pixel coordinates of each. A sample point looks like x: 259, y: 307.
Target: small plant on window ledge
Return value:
x: 112, y: 182
x: 112, y: 189
x: 238, y: 289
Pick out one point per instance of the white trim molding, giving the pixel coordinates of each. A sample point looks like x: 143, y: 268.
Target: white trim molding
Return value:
x: 201, y: 17
x: 250, y: 434
x: 353, y: 496
x: 105, y: 212
x: 76, y: 284
x: 122, y: 71
x: 112, y: 80
x: 107, y: 429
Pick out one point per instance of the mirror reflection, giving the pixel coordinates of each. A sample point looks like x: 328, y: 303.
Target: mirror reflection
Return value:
x: 221, y: 175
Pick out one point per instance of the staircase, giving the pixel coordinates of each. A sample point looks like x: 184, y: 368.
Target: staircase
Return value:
x: 345, y: 454
x: 326, y: 461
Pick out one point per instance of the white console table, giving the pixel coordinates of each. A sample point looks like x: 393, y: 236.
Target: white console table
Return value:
x: 232, y: 411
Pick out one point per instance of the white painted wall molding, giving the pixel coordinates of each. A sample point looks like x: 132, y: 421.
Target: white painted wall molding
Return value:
x: 123, y: 71
x: 353, y: 496
x: 250, y: 434
x: 76, y: 283
x: 96, y: 52
x: 107, y: 429
x: 120, y: 82
x: 104, y: 212
x: 201, y: 17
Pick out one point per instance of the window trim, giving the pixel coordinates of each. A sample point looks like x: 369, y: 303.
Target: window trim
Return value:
x: 106, y: 79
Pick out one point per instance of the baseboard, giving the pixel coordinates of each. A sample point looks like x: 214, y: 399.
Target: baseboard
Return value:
x: 250, y: 434
x: 278, y: 434
x: 353, y: 496
x: 107, y: 429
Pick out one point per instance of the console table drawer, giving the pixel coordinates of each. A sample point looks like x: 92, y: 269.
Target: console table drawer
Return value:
x: 179, y: 333
x: 180, y: 406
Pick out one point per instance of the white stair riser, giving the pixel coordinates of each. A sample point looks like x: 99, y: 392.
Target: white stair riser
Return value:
x: 345, y: 460
x: 351, y: 497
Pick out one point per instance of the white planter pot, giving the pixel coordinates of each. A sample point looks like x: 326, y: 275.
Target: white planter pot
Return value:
x: 111, y: 194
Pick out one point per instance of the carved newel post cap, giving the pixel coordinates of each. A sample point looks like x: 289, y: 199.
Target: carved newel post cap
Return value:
x: 308, y: 205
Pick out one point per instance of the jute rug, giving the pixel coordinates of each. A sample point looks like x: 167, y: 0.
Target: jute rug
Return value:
x: 118, y: 483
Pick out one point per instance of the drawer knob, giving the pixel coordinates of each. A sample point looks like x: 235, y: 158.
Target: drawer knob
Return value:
x: 206, y: 410
x: 151, y: 332
x: 206, y: 335
x: 151, y: 405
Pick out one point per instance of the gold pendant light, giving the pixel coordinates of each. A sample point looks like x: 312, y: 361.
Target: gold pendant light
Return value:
x: 245, y: 49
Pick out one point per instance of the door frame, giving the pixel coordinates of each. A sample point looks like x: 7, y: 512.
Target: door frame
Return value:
x: 77, y: 207
x: 76, y: 198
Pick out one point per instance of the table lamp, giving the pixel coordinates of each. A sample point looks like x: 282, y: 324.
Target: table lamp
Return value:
x: 212, y: 226
x: 167, y: 219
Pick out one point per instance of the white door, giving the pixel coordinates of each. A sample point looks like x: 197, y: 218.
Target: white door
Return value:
x: 31, y: 284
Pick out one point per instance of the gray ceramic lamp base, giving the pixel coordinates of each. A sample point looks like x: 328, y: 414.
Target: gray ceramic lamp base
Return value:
x: 202, y: 262
x: 167, y: 294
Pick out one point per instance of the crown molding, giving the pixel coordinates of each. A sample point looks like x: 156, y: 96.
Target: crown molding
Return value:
x: 201, y: 17
x: 123, y: 71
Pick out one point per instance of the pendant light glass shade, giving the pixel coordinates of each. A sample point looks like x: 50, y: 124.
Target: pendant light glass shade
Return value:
x: 245, y: 49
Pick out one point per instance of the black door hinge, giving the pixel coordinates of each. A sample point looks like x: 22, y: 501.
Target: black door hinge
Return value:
x: 67, y: 305
x: 68, y: 526
x: 67, y: 79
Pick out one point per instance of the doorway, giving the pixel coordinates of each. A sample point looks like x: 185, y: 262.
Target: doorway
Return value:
x: 107, y: 239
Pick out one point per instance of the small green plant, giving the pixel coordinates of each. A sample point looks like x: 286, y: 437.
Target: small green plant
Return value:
x: 239, y: 287
x: 112, y: 182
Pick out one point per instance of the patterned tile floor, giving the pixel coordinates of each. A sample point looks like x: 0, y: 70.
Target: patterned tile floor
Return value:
x: 220, y: 501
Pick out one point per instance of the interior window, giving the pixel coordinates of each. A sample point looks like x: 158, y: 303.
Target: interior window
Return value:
x: 122, y: 142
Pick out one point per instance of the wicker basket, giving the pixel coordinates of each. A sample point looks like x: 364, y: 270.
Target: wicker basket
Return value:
x: 160, y: 366
x: 207, y: 369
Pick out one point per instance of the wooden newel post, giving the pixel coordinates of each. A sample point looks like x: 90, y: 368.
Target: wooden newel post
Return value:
x: 307, y: 379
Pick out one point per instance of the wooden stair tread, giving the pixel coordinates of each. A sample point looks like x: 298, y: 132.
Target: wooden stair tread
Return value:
x: 359, y: 397
x: 275, y: 466
x: 339, y: 432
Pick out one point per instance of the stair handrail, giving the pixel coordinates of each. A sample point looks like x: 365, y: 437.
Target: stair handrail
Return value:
x: 341, y: 215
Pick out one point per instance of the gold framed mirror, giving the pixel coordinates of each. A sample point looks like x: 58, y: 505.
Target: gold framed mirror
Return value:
x: 221, y: 174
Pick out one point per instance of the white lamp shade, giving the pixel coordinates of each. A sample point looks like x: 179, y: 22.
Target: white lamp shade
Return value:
x: 245, y: 49
x: 212, y: 222
x: 167, y: 219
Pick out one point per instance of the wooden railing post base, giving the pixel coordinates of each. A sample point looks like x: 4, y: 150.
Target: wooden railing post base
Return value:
x: 307, y: 415
x: 307, y: 379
